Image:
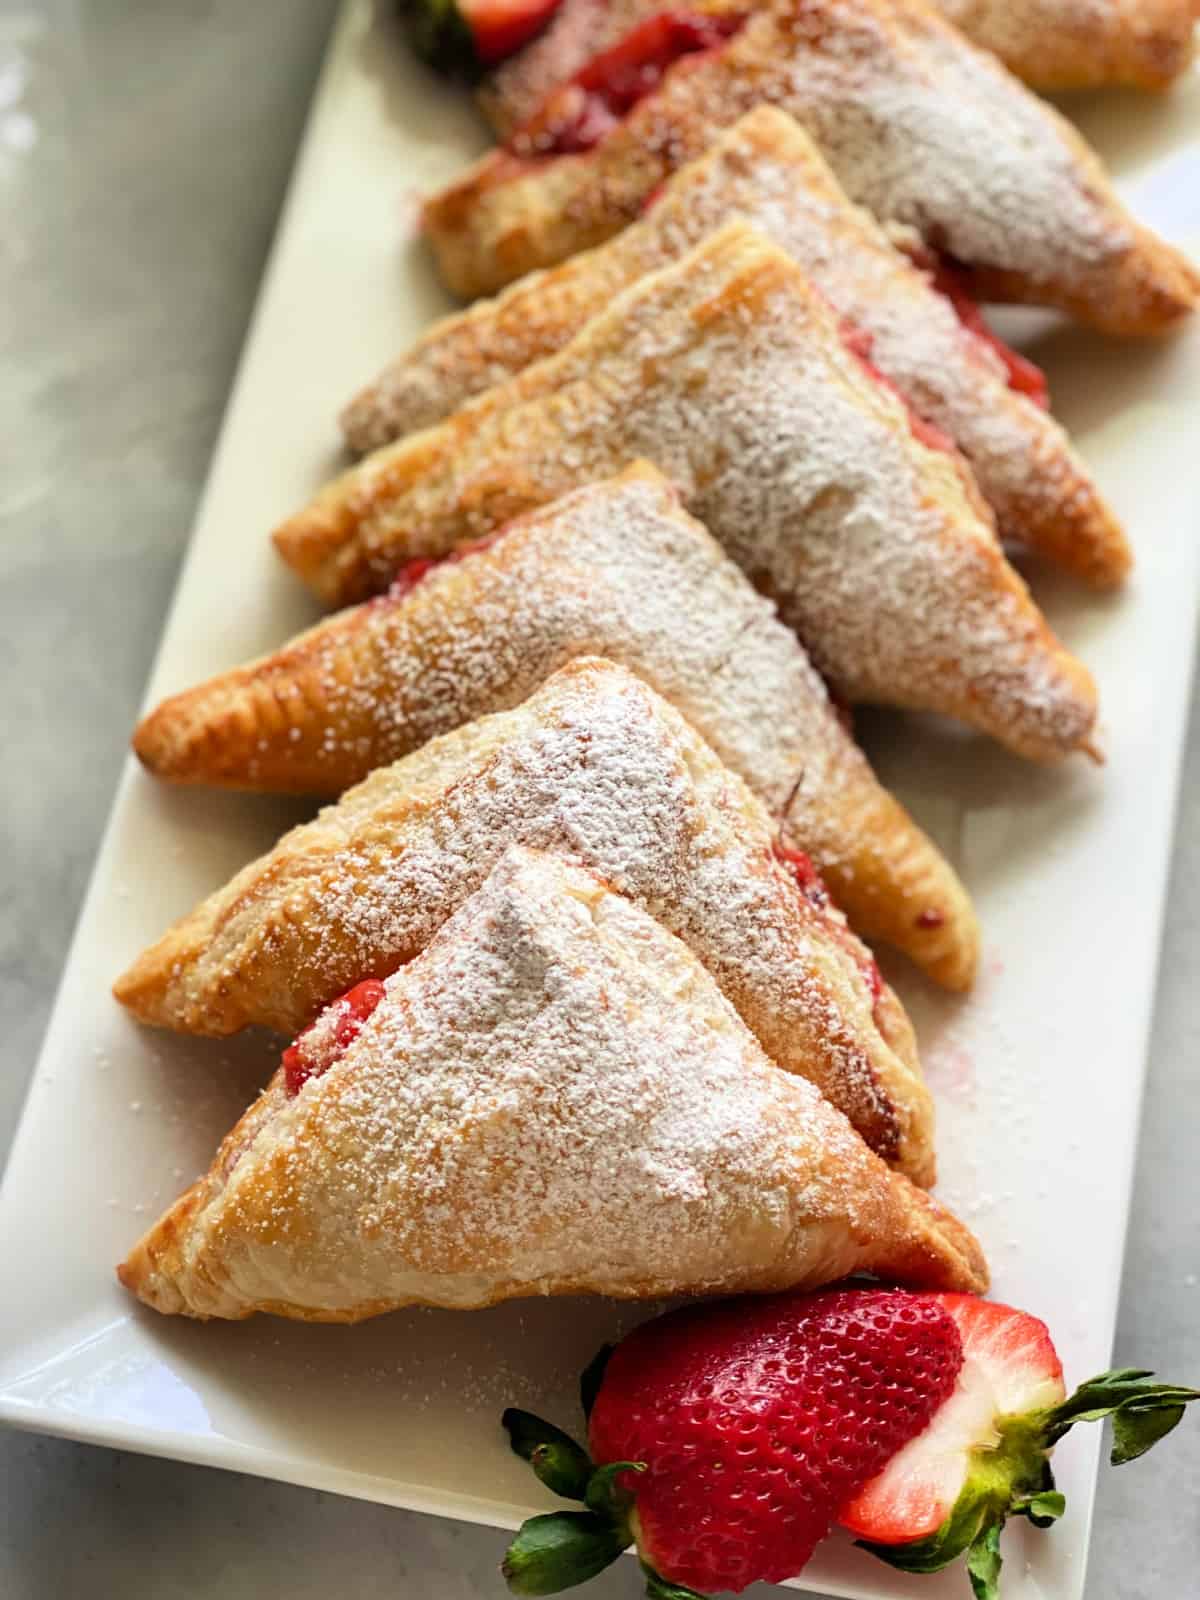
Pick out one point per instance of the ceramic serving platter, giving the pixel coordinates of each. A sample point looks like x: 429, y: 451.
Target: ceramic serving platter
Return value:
x: 1038, y: 1075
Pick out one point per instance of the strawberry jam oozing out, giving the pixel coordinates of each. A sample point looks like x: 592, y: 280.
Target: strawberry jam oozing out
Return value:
x: 411, y: 573
x: 860, y: 344
x: 592, y: 103
x: 808, y: 879
x: 811, y: 885
x: 1023, y: 376
x: 353, y: 1009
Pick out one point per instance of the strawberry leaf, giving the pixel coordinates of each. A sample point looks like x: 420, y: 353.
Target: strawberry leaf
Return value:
x: 1136, y: 1431
x: 1142, y: 1412
x: 1042, y: 1509
x: 560, y: 1550
x: 984, y: 1562
x: 441, y: 36
x: 593, y: 1376
x: 564, y: 1469
x: 562, y: 1465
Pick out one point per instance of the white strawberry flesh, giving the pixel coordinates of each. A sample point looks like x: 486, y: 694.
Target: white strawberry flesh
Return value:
x: 1010, y: 1369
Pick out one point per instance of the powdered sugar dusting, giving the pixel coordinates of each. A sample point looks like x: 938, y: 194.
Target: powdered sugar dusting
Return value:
x: 579, y: 30
x: 1077, y: 43
x: 1051, y: 42
x: 730, y: 373
x: 767, y: 170
x: 615, y: 569
x: 919, y: 126
x: 554, y: 1097
x: 594, y: 766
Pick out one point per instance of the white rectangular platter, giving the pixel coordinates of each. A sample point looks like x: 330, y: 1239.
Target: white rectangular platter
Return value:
x: 1038, y: 1076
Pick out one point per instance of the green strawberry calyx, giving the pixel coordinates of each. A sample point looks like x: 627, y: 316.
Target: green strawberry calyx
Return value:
x: 560, y: 1549
x: 1013, y: 1477
x: 441, y: 36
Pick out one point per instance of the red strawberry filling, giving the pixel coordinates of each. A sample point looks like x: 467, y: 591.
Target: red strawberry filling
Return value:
x: 327, y: 1039
x: 808, y: 879
x: 411, y: 573
x: 812, y: 886
x: 1023, y: 376
x: 591, y: 104
x: 860, y: 344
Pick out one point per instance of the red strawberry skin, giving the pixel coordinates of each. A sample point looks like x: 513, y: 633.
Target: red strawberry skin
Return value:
x: 759, y: 1418
x: 500, y: 27
x: 1010, y: 1370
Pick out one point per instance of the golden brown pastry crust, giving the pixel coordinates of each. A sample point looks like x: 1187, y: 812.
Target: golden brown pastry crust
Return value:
x: 617, y: 569
x: 596, y: 765
x: 1084, y: 44
x: 730, y: 372
x: 919, y: 126
x: 1051, y: 44
x: 548, y: 1025
x: 766, y: 170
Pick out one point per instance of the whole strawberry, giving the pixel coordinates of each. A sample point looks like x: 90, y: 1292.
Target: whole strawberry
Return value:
x: 727, y: 1437
x: 464, y: 37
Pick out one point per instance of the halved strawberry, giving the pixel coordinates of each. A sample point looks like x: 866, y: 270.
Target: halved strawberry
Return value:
x: 986, y: 1454
x: 466, y: 36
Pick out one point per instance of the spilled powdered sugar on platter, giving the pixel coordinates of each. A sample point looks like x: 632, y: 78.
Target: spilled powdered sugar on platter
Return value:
x: 1068, y: 868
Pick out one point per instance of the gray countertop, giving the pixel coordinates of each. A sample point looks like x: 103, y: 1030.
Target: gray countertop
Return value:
x: 144, y: 148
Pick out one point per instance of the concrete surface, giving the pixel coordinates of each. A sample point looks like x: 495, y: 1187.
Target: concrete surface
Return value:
x: 144, y: 146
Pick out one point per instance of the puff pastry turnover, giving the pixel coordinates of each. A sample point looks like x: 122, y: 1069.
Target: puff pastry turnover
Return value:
x: 767, y: 170
x: 595, y: 765
x: 1052, y: 44
x: 1084, y: 44
x: 616, y: 569
x: 920, y: 127
x: 731, y: 373
x: 550, y: 1025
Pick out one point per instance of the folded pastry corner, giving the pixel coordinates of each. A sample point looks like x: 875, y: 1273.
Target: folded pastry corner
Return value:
x: 616, y: 568
x: 400, y: 1155
x: 920, y: 126
x: 932, y: 345
x: 596, y: 766
x: 732, y: 373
